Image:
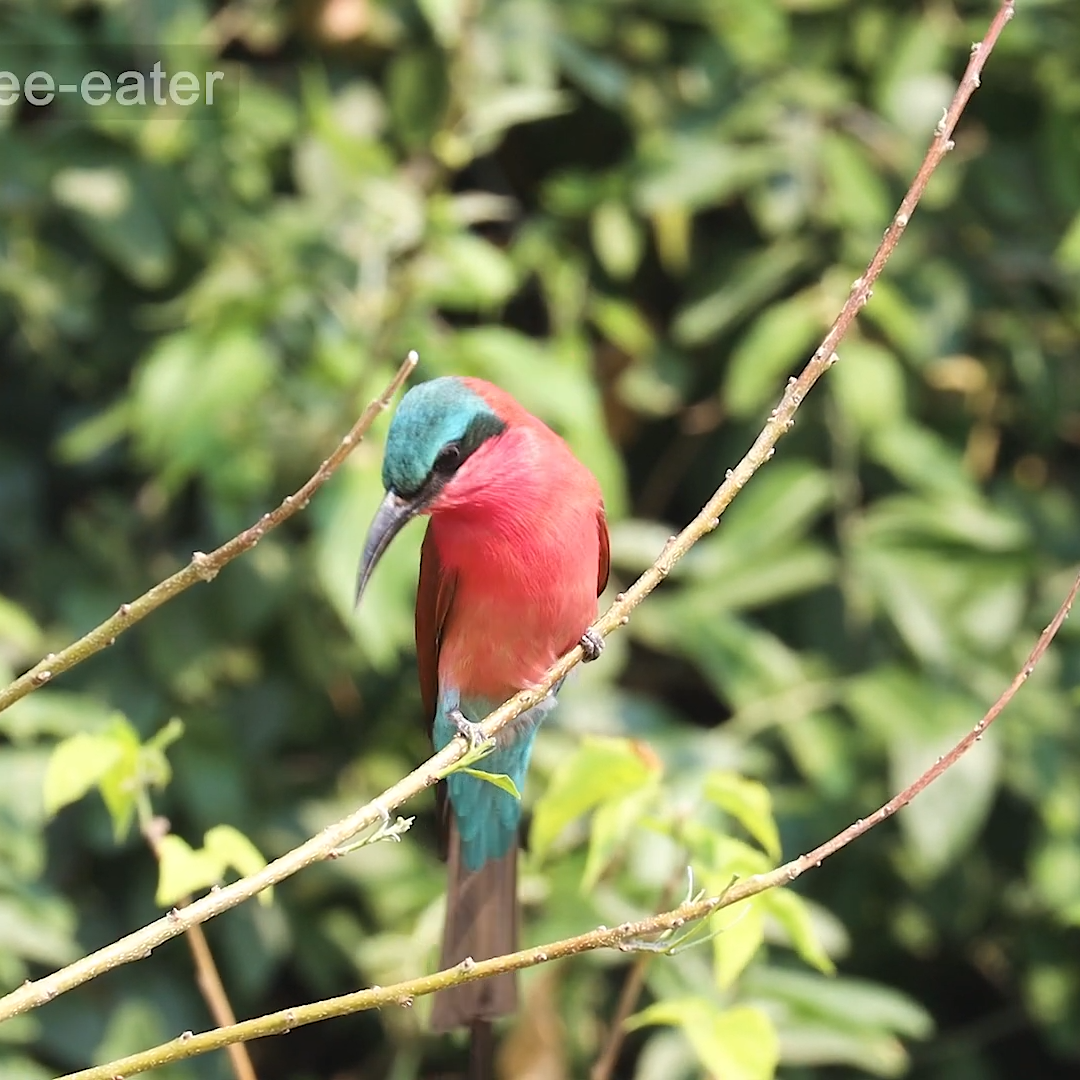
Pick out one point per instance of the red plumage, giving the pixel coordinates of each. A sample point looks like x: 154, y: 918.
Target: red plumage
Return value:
x: 514, y: 558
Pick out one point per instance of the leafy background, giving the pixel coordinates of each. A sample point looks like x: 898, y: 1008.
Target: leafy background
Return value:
x: 638, y: 217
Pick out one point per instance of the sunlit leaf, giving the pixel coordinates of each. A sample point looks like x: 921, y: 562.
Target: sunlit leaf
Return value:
x: 740, y: 933
x: 75, y: 766
x: 500, y: 780
x: 18, y: 630
x: 749, y: 803
x: 182, y: 870
x: 791, y: 911
x: 759, y: 364
x: 233, y: 849
x: 600, y: 769
x: 739, y: 1043
x: 616, y: 238
x: 612, y: 825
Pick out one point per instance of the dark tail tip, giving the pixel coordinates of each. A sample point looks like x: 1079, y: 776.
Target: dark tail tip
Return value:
x: 481, y: 1050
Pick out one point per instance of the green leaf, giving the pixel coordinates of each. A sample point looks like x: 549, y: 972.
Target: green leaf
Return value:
x: 739, y: 1043
x: 782, y: 335
x: 852, y: 1003
x: 500, y: 780
x: 749, y: 802
x: 445, y: 18
x: 417, y: 93
x: 55, y: 713
x: 748, y: 284
x: 465, y: 272
x: 233, y: 849
x: 167, y: 735
x: 617, y: 239
x: 114, y: 207
x: 815, y: 1044
x: 693, y: 172
x: 919, y: 722
x: 602, y: 768
x: 133, y: 1023
x: 75, y: 766
x: 856, y: 194
x: 868, y: 384
x: 791, y: 911
x: 922, y: 459
x: 121, y: 784
x: 18, y: 629
x: 183, y: 871
x: 36, y: 929
x: 612, y: 825
x: 740, y: 933
x: 721, y: 858
x: 492, y: 113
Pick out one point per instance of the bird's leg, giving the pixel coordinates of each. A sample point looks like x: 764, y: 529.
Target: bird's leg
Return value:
x: 472, y: 732
x: 592, y: 645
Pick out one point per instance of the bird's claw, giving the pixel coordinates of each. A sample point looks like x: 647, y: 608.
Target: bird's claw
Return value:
x: 473, y: 733
x: 592, y: 645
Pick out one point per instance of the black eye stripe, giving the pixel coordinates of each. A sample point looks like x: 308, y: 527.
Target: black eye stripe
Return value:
x: 450, y: 457
x: 454, y: 454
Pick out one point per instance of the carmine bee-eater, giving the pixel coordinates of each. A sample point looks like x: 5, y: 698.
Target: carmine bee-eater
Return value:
x: 514, y: 558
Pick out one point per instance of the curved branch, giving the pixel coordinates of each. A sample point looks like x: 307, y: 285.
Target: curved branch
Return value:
x: 190, y: 1045
x: 138, y: 945
x: 202, y: 567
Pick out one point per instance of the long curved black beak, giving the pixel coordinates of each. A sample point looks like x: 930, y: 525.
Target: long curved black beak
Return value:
x: 393, y: 513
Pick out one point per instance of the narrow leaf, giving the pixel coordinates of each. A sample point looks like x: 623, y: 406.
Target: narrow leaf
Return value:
x: 500, y: 780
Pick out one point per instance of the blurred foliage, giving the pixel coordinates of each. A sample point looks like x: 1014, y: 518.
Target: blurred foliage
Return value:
x: 637, y: 216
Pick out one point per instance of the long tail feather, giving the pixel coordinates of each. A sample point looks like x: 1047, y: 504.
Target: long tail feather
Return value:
x: 481, y: 922
x: 481, y: 1051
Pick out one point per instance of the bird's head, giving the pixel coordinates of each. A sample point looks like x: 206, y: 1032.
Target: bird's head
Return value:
x: 437, y: 427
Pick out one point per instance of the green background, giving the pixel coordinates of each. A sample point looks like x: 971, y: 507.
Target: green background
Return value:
x: 639, y: 218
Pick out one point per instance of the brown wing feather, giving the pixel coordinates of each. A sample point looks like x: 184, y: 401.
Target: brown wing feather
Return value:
x: 434, y: 593
x: 605, y: 551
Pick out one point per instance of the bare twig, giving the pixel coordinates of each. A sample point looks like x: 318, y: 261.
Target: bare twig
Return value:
x: 190, y: 1045
x: 207, y: 975
x: 604, y: 1065
x: 202, y: 567
x: 137, y: 945
x: 217, y: 1000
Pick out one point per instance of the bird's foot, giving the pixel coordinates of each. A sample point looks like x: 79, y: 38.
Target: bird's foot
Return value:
x: 592, y: 645
x: 473, y: 733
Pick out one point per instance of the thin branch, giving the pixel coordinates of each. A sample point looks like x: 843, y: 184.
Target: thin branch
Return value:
x: 207, y: 976
x: 189, y: 1045
x: 202, y: 567
x: 217, y: 1000
x: 604, y: 1065
x: 138, y: 945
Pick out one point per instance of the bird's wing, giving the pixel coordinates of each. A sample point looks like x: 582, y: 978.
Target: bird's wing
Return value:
x: 434, y: 594
x: 605, y: 551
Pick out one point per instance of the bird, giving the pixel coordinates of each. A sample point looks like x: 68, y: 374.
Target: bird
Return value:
x: 515, y: 556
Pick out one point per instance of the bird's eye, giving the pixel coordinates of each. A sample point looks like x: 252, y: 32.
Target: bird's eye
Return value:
x: 449, y: 459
